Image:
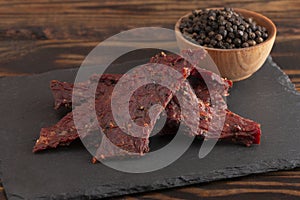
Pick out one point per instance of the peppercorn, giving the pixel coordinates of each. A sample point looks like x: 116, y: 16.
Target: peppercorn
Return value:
x: 230, y: 19
x: 213, y: 42
x: 234, y: 27
x: 219, y: 37
x: 251, y: 42
x: 252, y: 35
x: 211, y: 34
x: 194, y: 35
x: 265, y: 35
x: 214, y: 25
x: 223, y: 33
x: 200, y: 41
x: 240, y: 33
x: 228, y: 25
x: 208, y: 28
x: 202, y: 36
x: 245, y: 44
x: 212, y: 18
x: 221, y: 18
x: 253, y: 27
x: 250, y: 20
x: 231, y: 35
x: 236, y: 22
x: 237, y: 42
x: 258, y: 33
x: 220, y: 43
x: 189, y: 30
x: 227, y: 45
x: 259, y: 40
x: 222, y: 22
x: 222, y: 28
x: 246, y: 25
x: 229, y: 29
x: 207, y: 40
x: 228, y: 40
x: 245, y: 37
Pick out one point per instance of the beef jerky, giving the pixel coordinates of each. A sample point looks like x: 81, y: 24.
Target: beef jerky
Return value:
x: 64, y: 132
x: 62, y: 91
x: 215, y: 82
x: 169, y: 60
x: 115, y: 135
x: 236, y: 128
x: 118, y: 141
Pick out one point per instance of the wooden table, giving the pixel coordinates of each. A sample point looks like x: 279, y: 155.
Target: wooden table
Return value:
x: 63, y: 32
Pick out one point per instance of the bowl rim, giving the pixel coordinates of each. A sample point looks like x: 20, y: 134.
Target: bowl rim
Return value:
x: 255, y: 15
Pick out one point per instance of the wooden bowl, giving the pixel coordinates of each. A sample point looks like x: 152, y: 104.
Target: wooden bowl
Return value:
x: 241, y: 63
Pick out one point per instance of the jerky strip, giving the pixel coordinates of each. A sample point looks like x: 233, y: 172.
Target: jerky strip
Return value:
x: 141, y: 103
x: 220, y: 84
x: 236, y: 128
x: 64, y: 132
x: 232, y: 129
x: 124, y: 141
x: 62, y: 91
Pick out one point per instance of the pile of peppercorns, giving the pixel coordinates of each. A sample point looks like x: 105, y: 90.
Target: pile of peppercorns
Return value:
x: 223, y: 29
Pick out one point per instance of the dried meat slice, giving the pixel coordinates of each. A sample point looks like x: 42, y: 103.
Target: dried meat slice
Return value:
x: 215, y: 82
x: 236, y: 128
x: 63, y: 91
x: 234, y: 124
x: 232, y: 128
x: 132, y: 144
x: 220, y: 86
x: 141, y: 109
x: 64, y: 132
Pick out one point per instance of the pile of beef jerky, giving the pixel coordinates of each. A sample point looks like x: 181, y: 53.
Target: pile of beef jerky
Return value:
x: 236, y: 129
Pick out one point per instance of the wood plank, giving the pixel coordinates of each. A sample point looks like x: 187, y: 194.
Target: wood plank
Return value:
x: 221, y: 193
x: 292, y: 71
x: 263, y: 183
x: 61, y: 20
x: 160, y: 196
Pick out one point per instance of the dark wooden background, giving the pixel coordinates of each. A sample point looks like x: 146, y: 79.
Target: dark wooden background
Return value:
x: 39, y: 35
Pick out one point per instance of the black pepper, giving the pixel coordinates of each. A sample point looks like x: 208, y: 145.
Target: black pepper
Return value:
x: 224, y: 29
x: 219, y: 37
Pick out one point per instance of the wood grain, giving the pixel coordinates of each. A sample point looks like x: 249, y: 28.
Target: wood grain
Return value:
x: 42, y: 35
x: 273, y: 185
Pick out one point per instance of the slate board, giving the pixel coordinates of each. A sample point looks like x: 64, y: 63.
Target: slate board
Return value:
x: 26, y: 105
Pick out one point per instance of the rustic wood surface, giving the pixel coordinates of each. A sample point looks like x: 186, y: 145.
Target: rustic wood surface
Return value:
x: 42, y: 35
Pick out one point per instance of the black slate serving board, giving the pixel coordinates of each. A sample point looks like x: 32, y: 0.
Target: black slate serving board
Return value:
x: 26, y: 105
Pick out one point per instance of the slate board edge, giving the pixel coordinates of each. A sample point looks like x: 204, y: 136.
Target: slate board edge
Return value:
x: 228, y: 173
x: 233, y: 172
x: 284, y: 79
